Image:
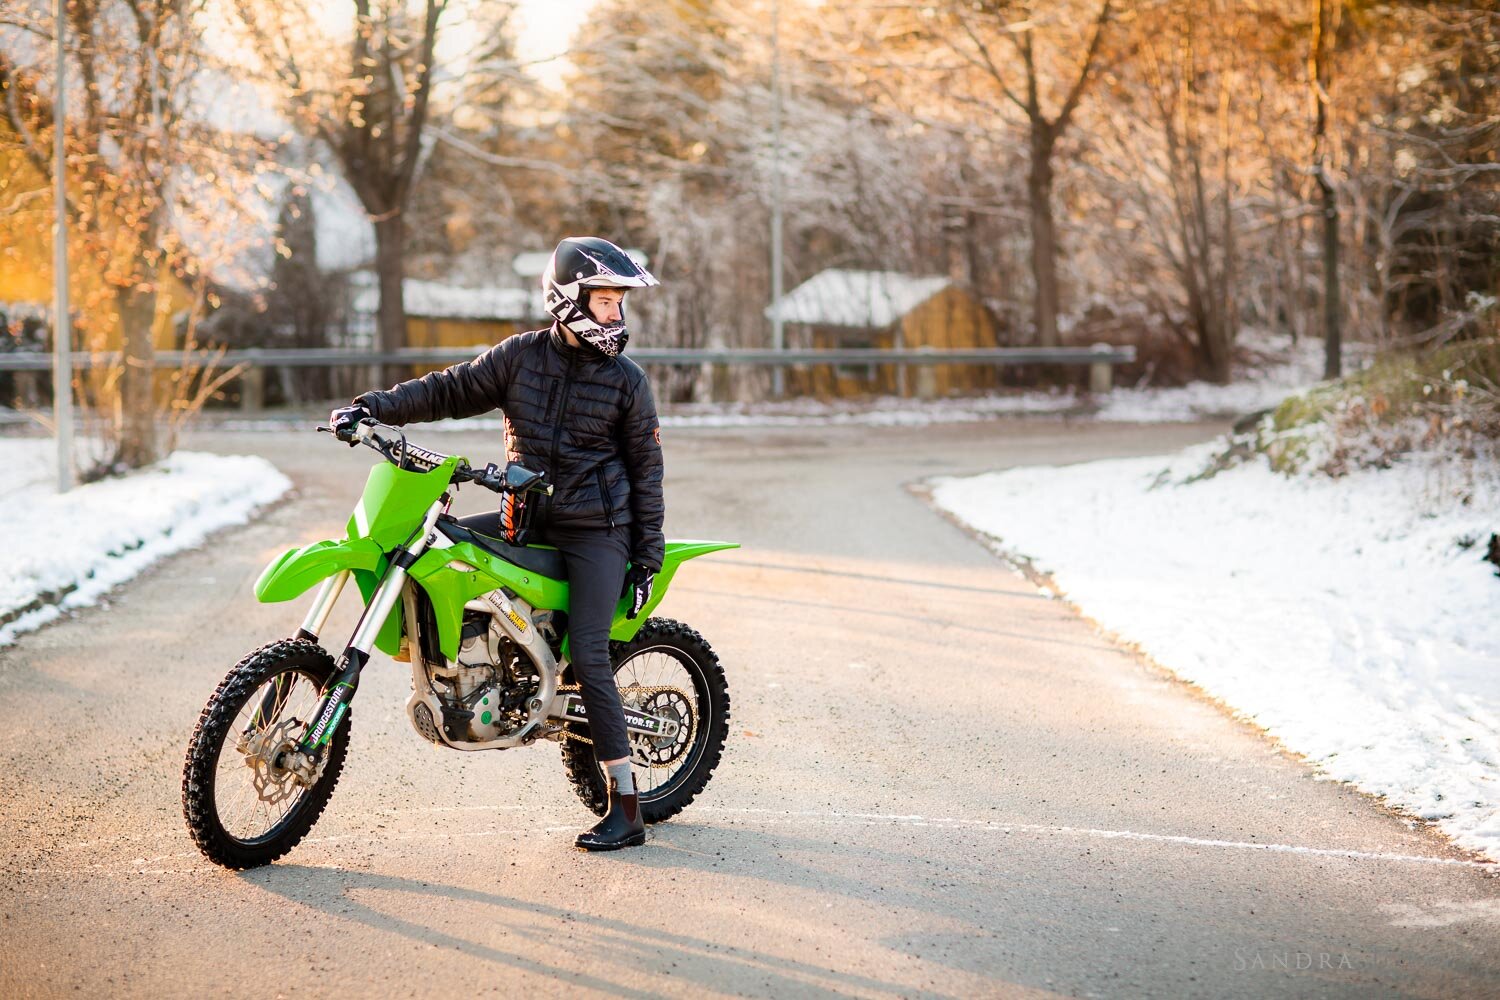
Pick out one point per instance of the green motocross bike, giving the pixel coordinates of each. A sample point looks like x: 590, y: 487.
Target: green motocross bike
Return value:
x: 484, y: 626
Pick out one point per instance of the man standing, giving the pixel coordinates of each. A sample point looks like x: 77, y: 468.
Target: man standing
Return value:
x: 577, y: 408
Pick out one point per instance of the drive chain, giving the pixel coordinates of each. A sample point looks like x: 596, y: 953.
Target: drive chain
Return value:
x: 635, y: 688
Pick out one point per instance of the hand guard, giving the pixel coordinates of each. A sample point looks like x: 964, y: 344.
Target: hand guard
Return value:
x: 344, y: 419
x: 637, y: 588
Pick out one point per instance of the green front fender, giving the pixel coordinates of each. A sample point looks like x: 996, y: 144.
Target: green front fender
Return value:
x: 296, y: 571
x: 623, y: 629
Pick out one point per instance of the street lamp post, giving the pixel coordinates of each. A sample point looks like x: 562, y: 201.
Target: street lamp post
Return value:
x: 778, y: 335
x: 62, y: 334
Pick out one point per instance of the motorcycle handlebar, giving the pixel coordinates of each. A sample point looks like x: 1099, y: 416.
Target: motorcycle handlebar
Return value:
x: 496, y: 479
x: 514, y: 478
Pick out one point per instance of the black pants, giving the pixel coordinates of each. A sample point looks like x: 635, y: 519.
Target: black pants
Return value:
x: 596, y: 559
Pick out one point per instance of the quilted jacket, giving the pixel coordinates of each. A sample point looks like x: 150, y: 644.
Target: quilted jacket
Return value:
x: 587, y: 420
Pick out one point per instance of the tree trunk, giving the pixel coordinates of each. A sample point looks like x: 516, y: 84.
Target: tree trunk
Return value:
x: 137, y: 444
x: 1332, y: 298
x: 390, y: 270
x: 1332, y: 312
x: 1043, y: 242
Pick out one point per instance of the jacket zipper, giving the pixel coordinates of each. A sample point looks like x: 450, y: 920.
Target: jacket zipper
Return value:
x: 557, y: 427
x: 604, y: 497
x: 551, y: 400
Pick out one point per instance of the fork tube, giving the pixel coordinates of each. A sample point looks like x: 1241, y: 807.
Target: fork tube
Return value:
x: 381, y: 603
x: 340, y: 691
x: 322, y: 606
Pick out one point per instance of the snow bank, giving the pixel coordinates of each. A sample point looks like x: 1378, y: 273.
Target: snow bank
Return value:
x: 1354, y: 619
x: 65, y: 551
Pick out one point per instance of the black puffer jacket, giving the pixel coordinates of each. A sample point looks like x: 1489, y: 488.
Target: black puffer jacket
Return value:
x: 588, y: 420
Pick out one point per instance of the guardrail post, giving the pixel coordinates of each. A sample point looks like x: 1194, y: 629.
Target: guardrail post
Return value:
x: 927, y: 382
x: 1101, y: 373
x: 720, y: 388
x: 253, y: 389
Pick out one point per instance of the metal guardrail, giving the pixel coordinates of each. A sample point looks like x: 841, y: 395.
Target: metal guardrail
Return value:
x: 333, y: 357
x: 1100, y: 360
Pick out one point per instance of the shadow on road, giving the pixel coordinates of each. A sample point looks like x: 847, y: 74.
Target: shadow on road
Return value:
x: 541, y: 932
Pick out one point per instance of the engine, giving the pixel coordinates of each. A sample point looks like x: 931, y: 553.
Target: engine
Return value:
x: 484, y: 693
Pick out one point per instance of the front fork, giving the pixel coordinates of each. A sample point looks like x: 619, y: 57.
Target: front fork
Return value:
x: 339, y: 691
x: 317, y: 617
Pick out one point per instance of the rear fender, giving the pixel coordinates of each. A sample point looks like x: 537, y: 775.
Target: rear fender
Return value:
x: 623, y: 629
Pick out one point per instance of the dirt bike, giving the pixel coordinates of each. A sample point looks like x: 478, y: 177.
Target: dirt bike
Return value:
x: 483, y: 624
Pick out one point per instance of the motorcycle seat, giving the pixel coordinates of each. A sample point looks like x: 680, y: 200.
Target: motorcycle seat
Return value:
x: 539, y: 559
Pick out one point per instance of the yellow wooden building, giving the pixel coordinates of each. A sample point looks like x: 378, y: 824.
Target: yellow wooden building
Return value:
x: 840, y: 308
x: 26, y: 262
x: 442, y: 315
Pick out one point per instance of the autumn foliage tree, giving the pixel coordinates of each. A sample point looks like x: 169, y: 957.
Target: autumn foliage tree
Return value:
x: 148, y: 179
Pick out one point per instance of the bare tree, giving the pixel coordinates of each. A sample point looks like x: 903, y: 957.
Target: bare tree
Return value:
x: 985, y: 35
x: 369, y: 107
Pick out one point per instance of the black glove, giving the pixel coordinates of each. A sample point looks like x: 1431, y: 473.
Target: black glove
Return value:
x: 344, y: 419
x: 637, y: 588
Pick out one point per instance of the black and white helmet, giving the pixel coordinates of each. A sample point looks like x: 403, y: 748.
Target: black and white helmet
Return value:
x: 578, y: 264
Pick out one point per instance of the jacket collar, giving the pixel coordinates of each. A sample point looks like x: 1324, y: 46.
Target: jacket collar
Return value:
x: 577, y: 355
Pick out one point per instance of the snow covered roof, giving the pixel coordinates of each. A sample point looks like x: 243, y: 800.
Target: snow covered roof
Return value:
x: 532, y: 263
x: 435, y: 300
x: 838, y: 297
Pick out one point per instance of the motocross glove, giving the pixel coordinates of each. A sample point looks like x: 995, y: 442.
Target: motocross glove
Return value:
x: 637, y: 588
x: 344, y: 419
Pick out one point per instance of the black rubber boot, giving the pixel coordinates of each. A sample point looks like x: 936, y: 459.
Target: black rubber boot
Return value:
x: 621, y: 827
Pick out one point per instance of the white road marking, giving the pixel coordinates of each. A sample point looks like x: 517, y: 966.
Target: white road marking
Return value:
x: 796, y: 818
x: 873, y: 819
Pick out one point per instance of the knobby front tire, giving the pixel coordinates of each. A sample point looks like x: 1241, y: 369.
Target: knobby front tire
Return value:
x: 217, y: 782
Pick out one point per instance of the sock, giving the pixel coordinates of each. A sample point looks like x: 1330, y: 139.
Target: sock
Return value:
x: 624, y: 778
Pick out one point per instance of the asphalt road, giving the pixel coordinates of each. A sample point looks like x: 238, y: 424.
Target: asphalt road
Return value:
x: 939, y: 782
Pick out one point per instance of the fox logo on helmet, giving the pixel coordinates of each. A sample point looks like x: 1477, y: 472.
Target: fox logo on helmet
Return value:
x: 578, y: 264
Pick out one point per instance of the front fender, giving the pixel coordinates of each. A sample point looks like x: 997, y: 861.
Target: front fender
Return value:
x: 296, y: 571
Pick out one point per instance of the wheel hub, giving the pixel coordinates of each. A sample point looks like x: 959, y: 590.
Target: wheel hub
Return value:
x: 663, y: 751
x: 281, y: 770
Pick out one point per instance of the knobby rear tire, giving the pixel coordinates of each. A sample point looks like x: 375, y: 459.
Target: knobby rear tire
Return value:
x: 578, y: 757
x: 208, y: 742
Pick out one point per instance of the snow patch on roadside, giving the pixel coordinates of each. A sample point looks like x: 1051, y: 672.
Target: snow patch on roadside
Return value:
x: 65, y: 551
x: 1354, y: 618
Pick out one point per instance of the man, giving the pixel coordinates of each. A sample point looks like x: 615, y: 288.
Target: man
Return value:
x: 576, y: 408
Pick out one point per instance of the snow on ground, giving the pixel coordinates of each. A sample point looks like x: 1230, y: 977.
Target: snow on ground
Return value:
x: 1354, y: 618
x: 65, y: 551
x: 1279, y: 368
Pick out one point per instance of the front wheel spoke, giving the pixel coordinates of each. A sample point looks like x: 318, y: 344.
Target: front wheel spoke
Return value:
x: 252, y: 797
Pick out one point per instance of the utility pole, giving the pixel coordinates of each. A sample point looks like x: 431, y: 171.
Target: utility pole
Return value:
x: 62, y: 332
x: 778, y: 334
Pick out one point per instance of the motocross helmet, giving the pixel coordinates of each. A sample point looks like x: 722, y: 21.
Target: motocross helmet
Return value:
x: 578, y: 264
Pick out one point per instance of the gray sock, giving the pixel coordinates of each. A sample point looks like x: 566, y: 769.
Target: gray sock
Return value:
x: 623, y: 776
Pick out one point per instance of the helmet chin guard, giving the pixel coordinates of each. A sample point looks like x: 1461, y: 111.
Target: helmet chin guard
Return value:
x: 578, y: 264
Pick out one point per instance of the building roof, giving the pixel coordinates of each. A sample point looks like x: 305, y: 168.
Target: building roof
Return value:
x: 872, y: 299
x: 435, y: 300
